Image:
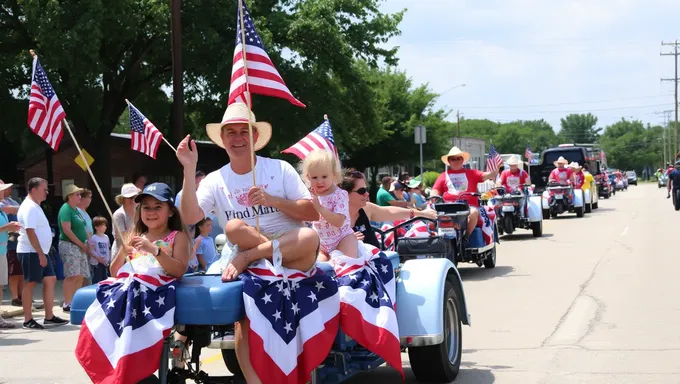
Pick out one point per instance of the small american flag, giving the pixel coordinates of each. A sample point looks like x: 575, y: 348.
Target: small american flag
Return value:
x: 263, y: 78
x: 45, y: 113
x: 144, y: 136
x: 320, y: 138
x: 494, y: 160
x: 528, y: 154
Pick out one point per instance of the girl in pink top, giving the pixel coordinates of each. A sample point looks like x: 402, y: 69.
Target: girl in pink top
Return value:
x: 322, y: 172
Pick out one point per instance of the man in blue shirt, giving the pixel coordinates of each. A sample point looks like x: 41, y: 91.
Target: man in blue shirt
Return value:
x: 674, y: 179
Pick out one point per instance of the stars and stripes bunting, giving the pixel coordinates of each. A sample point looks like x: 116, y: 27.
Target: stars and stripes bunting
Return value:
x: 320, y: 138
x: 493, y: 160
x: 125, y: 326
x: 45, y: 113
x: 144, y: 136
x: 263, y: 77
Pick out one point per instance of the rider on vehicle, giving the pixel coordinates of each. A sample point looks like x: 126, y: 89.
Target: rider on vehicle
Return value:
x: 577, y: 175
x: 514, y: 178
x: 674, y: 179
x: 281, y: 200
x: 457, y: 179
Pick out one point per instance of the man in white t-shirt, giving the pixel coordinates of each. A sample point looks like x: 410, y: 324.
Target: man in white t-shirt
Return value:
x: 280, y: 199
x: 33, y: 247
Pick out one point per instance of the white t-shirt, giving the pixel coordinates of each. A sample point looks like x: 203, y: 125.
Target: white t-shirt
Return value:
x: 30, y: 215
x: 101, y: 246
x: 226, y: 193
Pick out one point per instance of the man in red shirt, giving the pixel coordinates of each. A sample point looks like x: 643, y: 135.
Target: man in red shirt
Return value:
x: 456, y: 180
x: 577, y: 175
x: 514, y: 178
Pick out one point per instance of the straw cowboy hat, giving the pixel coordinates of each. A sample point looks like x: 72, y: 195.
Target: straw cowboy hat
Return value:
x: 70, y: 190
x: 561, y: 160
x: 455, y: 151
x: 237, y: 113
x: 127, y: 191
x: 514, y: 160
x: 4, y: 186
x: 575, y: 165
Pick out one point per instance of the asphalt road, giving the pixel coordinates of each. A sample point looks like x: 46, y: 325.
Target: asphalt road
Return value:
x: 593, y: 301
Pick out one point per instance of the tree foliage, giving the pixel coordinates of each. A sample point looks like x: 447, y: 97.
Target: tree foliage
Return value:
x: 631, y: 145
x: 579, y: 128
x: 512, y: 137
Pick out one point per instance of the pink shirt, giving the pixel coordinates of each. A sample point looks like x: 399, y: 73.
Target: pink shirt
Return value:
x: 561, y: 175
x: 336, y: 202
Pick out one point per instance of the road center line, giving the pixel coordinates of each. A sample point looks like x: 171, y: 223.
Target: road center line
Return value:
x: 625, y: 230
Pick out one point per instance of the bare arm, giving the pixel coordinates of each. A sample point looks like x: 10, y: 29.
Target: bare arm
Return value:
x: 66, y: 228
x: 198, y: 256
x: 378, y: 213
x: 335, y: 219
x: 302, y: 210
x: 398, y: 203
x: 489, y: 175
x: 118, y: 260
x: 188, y: 203
x: 177, y: 264
x: 10, y: 209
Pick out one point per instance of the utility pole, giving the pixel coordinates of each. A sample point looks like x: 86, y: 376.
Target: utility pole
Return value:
x: 458, y: 123
x: 675, y: 80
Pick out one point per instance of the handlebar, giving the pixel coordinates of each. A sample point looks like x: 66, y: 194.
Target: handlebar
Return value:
x: 398, y: 226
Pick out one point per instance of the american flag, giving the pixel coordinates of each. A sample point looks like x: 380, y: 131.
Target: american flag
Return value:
x: 528, y: 154
x: 263, y: 78
x: 494, y: 160
x: 320, y: 138
x: 603, y: 157
x: 294, y: 319
x: 367, y: 288
x: 45, y: 113
x: 144, y: 136
x: 418, y: 229
x: 121, y: 338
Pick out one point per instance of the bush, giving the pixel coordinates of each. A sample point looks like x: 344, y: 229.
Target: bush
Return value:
x: 429, y: 178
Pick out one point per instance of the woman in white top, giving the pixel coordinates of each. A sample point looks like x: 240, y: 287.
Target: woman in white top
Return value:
x: 124, y: 216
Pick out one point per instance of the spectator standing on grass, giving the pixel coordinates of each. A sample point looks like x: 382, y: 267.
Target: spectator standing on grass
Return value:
x: 100, y: 248
x: 35, y: 240
x: 73, y: 247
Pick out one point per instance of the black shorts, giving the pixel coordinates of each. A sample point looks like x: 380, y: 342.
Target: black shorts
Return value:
x: 33, y: 272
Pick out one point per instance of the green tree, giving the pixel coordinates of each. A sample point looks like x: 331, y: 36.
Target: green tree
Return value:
x: 631, y: 145
x: 579, y: 128
x: 98, y: 53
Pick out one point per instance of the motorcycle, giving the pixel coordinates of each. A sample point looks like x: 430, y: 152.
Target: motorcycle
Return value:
x: 560, y: 198
x: 518, y: 209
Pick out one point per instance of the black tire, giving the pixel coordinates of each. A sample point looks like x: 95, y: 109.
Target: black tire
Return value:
x: 507, y: 224
x: 231, y: 361
x: 595, y: 205
x: 490, y: 262
x: 546, y: 214
x: 676, y: 200
x: 537, y: 228
x: 579, y: 211
x: 441, y: 363
x: 589, y: 208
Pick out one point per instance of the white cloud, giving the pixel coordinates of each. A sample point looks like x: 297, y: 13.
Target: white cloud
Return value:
x: 541, y: 53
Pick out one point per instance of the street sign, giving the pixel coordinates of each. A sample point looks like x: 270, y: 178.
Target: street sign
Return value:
x: 420, y: 135
x: 81, y: 164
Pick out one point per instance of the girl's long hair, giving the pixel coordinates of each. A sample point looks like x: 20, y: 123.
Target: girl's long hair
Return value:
x: 175, y: 223
x: 197, y: 228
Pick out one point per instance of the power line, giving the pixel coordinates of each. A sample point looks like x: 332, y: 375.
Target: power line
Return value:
x: 567, y: 103
x: 675, y: 80
x: 585, y: 110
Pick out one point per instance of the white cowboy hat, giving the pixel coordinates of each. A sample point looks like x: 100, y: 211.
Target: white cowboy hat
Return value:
x: 561, y: 160
x: 514, y: 160
x: 127, y: 191
x: 455, y: 151
x: 237, y: 113
x: 575, y: 165
x: 4, y: 186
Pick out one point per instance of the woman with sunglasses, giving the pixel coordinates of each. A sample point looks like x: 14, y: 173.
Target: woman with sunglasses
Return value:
x: 458, y: 179
x: 362, y: 212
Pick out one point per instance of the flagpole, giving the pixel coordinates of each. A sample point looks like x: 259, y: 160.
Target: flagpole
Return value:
x: 248, y: 103
x: 89, y: 170
x: 162, y: 136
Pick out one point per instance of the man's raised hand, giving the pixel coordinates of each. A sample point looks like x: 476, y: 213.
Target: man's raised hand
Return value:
x: 187, y: 153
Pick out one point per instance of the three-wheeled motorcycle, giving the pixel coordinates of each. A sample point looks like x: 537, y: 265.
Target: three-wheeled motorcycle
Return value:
x: 561, y: 198
x: 518, y: 209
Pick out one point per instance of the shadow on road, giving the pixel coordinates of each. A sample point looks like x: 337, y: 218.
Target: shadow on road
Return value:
x: 386, y: 375
x: 523, y: 237
x: 8, y: 342
x: 603, y: 209
x: 475, y: 273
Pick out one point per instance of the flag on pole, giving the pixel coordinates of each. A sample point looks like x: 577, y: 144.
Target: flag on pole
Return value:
x: 263, y: 78
x: 144, y: 136
x: 45, y: 112
x: 121, y: 338
x: 494, y: 160
x: 528, y: 154
x: 320, y: 138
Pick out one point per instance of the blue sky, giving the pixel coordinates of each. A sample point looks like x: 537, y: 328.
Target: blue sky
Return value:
x: 532, y: 59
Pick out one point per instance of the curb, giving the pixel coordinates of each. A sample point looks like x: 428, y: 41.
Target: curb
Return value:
x: 8, y: 314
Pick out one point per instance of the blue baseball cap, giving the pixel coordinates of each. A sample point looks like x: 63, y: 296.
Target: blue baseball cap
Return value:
x: 159, y: 191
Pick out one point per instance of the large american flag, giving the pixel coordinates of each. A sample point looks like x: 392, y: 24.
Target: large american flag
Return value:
x: 528, y: 154
x: 294, y: 319
x: 494, y: 160
x: 320, y: 138
x: 367, y: 288
x: 121, y: 338
x: 144, y: 136
x: 45, y: 113
x: 263, y: 78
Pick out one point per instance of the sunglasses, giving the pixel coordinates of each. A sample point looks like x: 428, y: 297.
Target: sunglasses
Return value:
x: 354, y: 174
x: 455, y: 158
x: 362, y: 191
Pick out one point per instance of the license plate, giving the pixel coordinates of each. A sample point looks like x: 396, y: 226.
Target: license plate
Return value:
x: 508, y: 208
x: 447, y: 233
x: 559, y: 196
